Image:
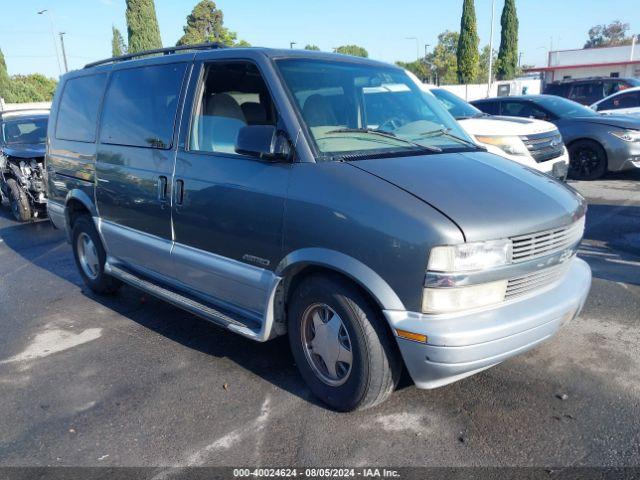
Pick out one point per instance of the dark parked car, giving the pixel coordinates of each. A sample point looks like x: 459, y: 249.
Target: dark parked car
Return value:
x: 255, y: 188
x: 589, y: 90
x: 596, y: 143
x: 23, y: 134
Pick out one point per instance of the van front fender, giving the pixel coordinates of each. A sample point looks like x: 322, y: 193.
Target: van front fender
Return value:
x: 364, y: 276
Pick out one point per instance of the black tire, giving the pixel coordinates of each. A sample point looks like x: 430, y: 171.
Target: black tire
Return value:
x: 376, y: 363
x: 588, y: 160
x: 102, y: 283
x: 18, y: 201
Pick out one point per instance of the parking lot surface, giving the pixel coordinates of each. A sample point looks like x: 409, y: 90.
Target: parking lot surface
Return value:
x: 131, y: 381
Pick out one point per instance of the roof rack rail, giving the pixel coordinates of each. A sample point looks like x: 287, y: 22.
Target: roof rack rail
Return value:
x: 157, y: 51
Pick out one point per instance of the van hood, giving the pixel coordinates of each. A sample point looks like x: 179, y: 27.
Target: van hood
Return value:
x: 24, y: 150
x: 620, y: 121
x: 486, y: 196
x: 491, y: 125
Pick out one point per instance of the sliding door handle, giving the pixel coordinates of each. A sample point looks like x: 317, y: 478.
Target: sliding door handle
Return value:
x: 179, y: 192
x: 162, y: 189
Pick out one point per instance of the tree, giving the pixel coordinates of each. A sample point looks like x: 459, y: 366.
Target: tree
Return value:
x: 205, y: 24
x: 312, y: 47
x: 508, y: 55
x: 419, y: 68
x: 355, y: 50
x: 118, y: 46
x: 142, y: 26
x: 34, y: 87
x: 444, y: 58
x: 483, y: 65
x: 467, y: 52
x: 5, y: 81
x: 609, y: 35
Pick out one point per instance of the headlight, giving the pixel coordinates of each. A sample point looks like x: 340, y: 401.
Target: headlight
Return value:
x: 447, y: 300
x: 628, y: 135
x: 510, y: 144
x: 470, y: 256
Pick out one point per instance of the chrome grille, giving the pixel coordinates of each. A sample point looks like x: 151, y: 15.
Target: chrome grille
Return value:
x: 532, y: 246
x: 544, y: 146
x: 517, y: 287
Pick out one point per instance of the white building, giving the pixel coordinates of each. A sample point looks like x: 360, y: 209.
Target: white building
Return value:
x: 617, y: 62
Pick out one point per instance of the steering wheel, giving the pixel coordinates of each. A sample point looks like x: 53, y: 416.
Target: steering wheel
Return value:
x: 392, y: 124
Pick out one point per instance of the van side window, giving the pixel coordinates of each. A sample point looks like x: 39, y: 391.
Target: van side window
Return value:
x: 78, y: 111
x: 233, y: 95
x: 140, y: 106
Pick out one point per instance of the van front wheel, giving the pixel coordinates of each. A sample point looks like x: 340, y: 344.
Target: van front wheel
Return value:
x: 341, y: 345
x: 90, y: 257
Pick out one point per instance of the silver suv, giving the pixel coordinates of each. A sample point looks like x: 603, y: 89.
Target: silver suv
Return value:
x: 263, y: 191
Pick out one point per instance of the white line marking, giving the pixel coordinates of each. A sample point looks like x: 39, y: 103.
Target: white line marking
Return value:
x: 54, y: 341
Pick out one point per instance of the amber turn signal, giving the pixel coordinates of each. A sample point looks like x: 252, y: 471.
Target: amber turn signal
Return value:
x: 416, y: 337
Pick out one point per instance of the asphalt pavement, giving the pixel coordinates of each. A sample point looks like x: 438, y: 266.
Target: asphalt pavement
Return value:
x: 131, y: 381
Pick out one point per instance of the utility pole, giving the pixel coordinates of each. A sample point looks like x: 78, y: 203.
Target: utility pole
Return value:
x: 53, y: 36
x: 291, y: 44
x: 520, y: 59
x: 490, y: 79
x: 64, y: 53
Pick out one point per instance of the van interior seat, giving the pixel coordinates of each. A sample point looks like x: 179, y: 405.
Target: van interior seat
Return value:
x: 254, y: 113
x: 220, y: 124
x: 317, y: 111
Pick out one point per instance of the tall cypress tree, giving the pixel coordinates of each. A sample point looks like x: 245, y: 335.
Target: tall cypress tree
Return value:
x: 118, y: 46
x: 5, y: 81
x: 142, y: 26
x: 508, y: 55
x: 467, y: 52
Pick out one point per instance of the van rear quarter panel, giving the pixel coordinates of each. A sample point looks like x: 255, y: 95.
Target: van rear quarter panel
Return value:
x: 334, y: 206
x: 70, y: 165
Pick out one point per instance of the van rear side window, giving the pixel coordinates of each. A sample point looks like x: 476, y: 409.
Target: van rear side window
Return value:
x: 140, y: 106
x: 78, y: 112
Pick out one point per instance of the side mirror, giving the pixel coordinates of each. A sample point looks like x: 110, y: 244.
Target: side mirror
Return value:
x: 264, y: 142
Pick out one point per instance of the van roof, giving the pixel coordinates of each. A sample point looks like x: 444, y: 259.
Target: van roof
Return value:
x: 269, y: 52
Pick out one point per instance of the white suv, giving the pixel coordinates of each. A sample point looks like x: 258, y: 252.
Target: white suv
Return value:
x: 534, y: 143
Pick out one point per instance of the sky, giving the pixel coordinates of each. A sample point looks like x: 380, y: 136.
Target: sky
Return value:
x: 387, y: 29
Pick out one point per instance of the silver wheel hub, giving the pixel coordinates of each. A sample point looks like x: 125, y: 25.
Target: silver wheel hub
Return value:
x: 88, y: 256
x: 327, y: 345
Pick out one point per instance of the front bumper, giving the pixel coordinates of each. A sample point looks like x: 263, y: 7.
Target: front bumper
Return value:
x: 623, y: 156
x: 556, y: 167
x: 463, y: 344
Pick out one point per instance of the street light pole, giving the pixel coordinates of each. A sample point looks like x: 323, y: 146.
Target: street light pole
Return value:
x: 53, y: 36
x: 490, y: 79
x: 417, y: 46
x: 64, y: 53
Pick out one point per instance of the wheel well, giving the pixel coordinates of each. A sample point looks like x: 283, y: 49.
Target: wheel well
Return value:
x: 299, y: 274
x: 76, y: 209
x: 569, y: 145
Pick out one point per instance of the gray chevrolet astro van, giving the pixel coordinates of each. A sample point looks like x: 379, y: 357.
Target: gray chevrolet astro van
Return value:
x: 319, y: 196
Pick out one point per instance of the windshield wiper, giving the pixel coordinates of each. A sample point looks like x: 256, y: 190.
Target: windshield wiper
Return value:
x: 446, y: 132
x: 383, y: 134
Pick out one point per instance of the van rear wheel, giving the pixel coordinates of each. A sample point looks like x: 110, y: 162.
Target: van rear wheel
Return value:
x: 341, y: 345
x: 90, y: 257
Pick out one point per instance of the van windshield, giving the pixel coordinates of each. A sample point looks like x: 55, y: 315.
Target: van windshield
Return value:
x: 25, y: 131
x: 352, y: 108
